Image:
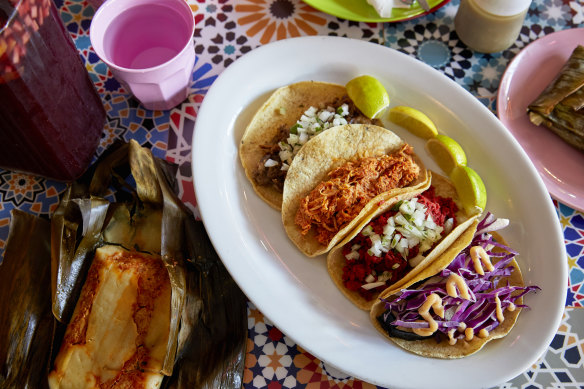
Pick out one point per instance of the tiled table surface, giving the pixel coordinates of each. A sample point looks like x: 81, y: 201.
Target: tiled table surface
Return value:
x: 227, y: 29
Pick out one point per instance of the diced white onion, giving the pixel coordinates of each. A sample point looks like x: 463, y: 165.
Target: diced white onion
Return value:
x: 448, y: 224
x: 270, y: 163
x: 352, y: 255
x: 407, y: 207
x: 373, y: 285
x: 293, y: 139
x: 395, y: 240
x: 325, y: 115
x: 285, y: 155
x: 368, y: 230
x: 419, y: 217
x: 344, y: 109
x: 400, y: 219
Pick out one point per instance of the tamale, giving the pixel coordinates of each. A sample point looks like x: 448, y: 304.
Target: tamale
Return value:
x: 569, y: 80
x: 575, y: 101
x: 26, y: 320
x: 206, y: 329
x: 119, y: 330
x: 560, y: 106
x: 565, y: 133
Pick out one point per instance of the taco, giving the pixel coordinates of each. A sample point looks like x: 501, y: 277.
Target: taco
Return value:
x: 457, y: 310
x: 399, y: 240
x: 287, y: 120
x: 339, y: 177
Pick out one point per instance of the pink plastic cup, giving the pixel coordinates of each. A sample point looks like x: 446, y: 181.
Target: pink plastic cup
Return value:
x: 148, y: 46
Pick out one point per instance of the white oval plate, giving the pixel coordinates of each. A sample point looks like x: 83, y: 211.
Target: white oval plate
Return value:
x: 295, y: 292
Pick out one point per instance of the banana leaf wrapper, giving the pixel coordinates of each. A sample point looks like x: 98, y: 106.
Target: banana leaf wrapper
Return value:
x: 560, y: 106
x: 26, y: 320
x: 575, y: 101
x: 129, y: 200
x: 569, y: 80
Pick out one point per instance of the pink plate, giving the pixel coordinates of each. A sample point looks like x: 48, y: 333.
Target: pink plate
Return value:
x: 560, y: 165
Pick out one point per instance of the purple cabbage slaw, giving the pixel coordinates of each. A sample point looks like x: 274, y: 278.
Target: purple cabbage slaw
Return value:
x: 479, y: 312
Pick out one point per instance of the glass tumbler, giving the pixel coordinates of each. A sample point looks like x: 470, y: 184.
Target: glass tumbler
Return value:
x: 51, y: 117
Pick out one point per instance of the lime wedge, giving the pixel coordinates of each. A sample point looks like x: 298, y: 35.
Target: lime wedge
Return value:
x: 446, y: 152
x: 413, y: 120
x: 470, y: 189
x: 369, y: 95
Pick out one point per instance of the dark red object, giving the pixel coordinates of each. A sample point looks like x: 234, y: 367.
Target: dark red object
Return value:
x: 51, y: 117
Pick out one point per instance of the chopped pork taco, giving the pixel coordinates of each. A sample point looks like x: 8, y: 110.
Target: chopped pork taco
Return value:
x: 399, y: 240
x: 339, y: 177
x: 288, y: 119
x: 456, y: 310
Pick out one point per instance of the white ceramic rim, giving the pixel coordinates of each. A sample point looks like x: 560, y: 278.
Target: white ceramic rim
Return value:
x: 295, y: 295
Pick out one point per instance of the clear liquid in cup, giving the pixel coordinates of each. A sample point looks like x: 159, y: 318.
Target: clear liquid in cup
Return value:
x: 129, y: 45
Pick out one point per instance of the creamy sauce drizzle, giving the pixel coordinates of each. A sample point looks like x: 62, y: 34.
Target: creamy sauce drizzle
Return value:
x: 454, y: 281
x: 480, y: 258
x: 435, y: 302
x: 455, y: 286
x: 498, y: 310
x: 451, y: 338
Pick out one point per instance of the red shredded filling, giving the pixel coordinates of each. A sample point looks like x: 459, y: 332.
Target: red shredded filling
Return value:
x: 440, y: 208
x: 334, y: 203
x: 356, y: 271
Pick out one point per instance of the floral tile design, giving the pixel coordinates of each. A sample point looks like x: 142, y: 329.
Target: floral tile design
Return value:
x: 225, y: 30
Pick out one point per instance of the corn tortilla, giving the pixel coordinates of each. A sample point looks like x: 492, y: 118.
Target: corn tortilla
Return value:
x: 440, y: 256
x: 327, y: 151
x: 443, y: 350
x: 283, y: 108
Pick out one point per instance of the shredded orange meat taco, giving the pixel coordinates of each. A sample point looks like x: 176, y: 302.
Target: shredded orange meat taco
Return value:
x: 332, y: 204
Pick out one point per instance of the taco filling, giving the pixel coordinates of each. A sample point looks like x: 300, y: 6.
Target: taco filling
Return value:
x: 480, y: 291
x: 335, y: 202
x: 391, y: 244
x: 283, y: 147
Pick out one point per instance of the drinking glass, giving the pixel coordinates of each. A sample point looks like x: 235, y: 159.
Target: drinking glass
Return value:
x: 51, y: 117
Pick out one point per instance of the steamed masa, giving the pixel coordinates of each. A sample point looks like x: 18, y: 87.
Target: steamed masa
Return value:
x: 119, y: 330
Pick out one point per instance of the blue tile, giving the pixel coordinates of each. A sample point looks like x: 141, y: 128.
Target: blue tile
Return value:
x: 572, y: 355
x: 572, y: 234
x: 578, y: 221
x: 558, y: 342
x: 565, y: 210
x: 563, y: 377
x: 72, y: 27
x: 570, y: 298
x: 574, y: 249
x: 85, y: 24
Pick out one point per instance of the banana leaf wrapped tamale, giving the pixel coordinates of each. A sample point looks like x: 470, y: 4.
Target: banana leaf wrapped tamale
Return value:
x: 139, y: 297
x: 560, y: 107
x: 26, y: 320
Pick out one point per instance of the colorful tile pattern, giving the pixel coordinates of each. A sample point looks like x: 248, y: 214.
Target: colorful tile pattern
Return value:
x: 227, y: 29
x: 274, y: 361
